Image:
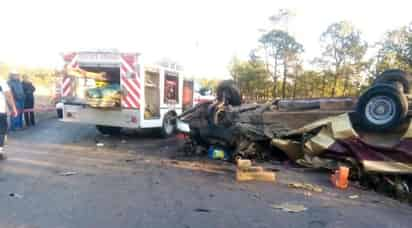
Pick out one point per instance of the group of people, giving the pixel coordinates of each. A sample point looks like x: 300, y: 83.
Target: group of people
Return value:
x: 17, y: 99
x: 22, y: 91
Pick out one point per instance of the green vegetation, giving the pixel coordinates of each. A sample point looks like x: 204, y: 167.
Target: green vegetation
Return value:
x: 275, y: 67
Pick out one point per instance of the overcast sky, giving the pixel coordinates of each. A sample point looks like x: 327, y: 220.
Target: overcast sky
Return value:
x: 202, y: 35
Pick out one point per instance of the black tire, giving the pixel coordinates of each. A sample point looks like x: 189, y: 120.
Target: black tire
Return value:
x: 395, y: 76
x: 228, y: 92
x: 169, y: 125
x: 108, y: 130
x: 59, y: 113
x: 381, y: 107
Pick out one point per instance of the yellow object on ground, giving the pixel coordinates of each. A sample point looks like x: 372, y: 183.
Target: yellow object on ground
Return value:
x: 255, y: 173
x: 244, y: 163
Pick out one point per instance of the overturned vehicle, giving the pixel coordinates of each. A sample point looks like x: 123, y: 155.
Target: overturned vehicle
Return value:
x: 371, y: 134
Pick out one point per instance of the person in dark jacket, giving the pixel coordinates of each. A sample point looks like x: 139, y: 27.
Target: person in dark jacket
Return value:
x: 16, y: 88
x: 28, y: 89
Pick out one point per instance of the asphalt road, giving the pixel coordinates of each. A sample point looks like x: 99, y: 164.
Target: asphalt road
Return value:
x: 140, y: 180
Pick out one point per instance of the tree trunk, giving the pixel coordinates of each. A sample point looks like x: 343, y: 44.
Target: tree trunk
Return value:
x: 346, y: 85
x: 266, y: 58
x: 312, y: 89
x: 323, y: 85
x: 275, y: 78
x: 294, y: 89
x: 335, y: 83
x: 295, y: 84
x: 285, y: 75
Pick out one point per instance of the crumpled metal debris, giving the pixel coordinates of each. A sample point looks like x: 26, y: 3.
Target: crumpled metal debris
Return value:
x: 380, y: 161
x: 327, y: 142
x: 241, y: 129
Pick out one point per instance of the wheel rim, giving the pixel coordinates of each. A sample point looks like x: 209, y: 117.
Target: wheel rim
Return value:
x: 380, y: 110
x: 168, y: 125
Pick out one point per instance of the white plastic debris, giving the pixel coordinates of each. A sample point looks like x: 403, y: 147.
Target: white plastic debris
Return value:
x: 69, y: 173
x: 353, y: 196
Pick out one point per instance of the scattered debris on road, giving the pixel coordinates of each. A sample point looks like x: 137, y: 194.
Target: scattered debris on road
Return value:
x: 289, y: 207
x: 217, y: 153
x: 174, y: 162
x: 69, y: 173
x: 307, y: 193
x: 353, y: 196
x: 306, y: 186
x: 16, y: 195
x: 244, y: 163
x: 202, y: 210
x: 255, y: 196
x: 267, y: 176
x: 246, y: 172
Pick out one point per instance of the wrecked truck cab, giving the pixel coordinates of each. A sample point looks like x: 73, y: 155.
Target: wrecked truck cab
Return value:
x: 227, y: 94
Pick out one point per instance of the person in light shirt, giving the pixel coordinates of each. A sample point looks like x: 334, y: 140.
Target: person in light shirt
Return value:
x: 6, y: 98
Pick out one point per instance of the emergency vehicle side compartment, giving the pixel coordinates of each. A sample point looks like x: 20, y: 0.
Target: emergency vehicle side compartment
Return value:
x: 127, y: 118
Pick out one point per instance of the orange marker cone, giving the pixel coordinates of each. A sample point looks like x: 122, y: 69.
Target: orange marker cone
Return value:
x: 340, y: 177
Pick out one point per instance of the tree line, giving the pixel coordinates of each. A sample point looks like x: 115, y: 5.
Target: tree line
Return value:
x: 45, y: 77
x: 275, y: 67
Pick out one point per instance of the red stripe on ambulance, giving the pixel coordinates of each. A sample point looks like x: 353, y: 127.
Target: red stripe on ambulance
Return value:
x: 130, y: 81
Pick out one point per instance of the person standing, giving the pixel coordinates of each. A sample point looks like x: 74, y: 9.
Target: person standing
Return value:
x: 5, y: 97
x: 16, y: 88
x: 28, y: 89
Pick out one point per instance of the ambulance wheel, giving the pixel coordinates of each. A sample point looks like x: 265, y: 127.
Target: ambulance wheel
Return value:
x: 59, y: 113
x: 108, y: 130
x: 169, y: 125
